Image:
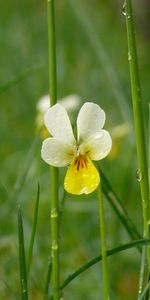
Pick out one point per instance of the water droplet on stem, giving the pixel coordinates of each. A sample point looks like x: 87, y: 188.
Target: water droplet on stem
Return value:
x: 54, y: 213
x: 129, y: 56
x: 124, y: 9
x: 138, y: 175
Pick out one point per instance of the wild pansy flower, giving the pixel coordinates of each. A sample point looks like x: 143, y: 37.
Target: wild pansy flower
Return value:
x: 70, y: 103
x: 62, y: 149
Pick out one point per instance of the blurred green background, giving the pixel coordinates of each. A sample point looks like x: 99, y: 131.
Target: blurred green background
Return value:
x: 92, y: 62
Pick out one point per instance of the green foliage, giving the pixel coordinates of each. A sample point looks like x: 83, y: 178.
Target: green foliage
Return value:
x: 92, y: 62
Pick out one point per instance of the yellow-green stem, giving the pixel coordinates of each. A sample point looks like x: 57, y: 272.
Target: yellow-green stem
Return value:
x: 54, y: 172
x: 103, y: 242
x: 138, y: 117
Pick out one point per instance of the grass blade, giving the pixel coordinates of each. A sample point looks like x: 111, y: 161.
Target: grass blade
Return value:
x: 22, y: 262
x: 142, y: 272
x: 137, y: 243
x: 33, y: 231
x: 147, y: 293
x: 118, y: 207
x: 24, y: 172
x: 103, y: 241
x: 144, y: 292
x: 21, y: 76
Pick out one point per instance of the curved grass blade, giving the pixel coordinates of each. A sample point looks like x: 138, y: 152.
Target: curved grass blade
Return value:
x: 118, y: 207
x: 33, y: 231
x: 21, y: 76
x: 9, y: 289
x: 22, y: 261
x: 137, y: 243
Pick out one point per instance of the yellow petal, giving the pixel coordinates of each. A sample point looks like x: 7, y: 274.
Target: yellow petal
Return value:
x: 82, y: 176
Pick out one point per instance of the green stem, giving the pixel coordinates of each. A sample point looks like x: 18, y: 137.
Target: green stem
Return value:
x: 22, y: 259
x: 142, y: 272
x: 103, y: 242
x: 54, y: 171
x: 32, y: 238
x: 138, y: 117
x: 48, y: 277
x: 145, y: 291
x: 118, y: 207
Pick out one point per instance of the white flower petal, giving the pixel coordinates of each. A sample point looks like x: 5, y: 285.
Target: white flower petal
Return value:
x: 56, y: 153
x: 70, y: 103
x: 97, y: 146
x: 91, y: 119
x: 58, y: 124
x: 43, y: 104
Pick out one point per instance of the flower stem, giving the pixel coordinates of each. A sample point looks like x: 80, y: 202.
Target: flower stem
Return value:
x: 103, y: 242
x: 138, y: 118
x: 54, y: 171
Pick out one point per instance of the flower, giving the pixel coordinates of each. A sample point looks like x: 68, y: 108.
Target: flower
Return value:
x: 62, y: 149
x: 70, y: 102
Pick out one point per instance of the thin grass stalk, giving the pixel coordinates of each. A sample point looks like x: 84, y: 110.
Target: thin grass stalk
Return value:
x: 22, y: 261
x: 49, y: 270
x: 103, y: 242
x: 19, y: 77
x: 32, y: 239
x: 147, y: 294
x: 142, y: 272
x: 142, y: 297
x: 138, y: 118
x: 54, y: 171
x: 22, y: 175
x: 48, y: 278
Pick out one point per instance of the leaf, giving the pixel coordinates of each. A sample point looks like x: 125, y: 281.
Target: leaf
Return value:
x: 22, y: 261
x: 32, y: 238
x: 98, y: 258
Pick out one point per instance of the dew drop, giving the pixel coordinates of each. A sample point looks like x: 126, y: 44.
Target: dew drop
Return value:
x: 138, y: 175
x: 54, y: 245
x: 124, y: 9
x: 54, y: 213
x: 129, y: 56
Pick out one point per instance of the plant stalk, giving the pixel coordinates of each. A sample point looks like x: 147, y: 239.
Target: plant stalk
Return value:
x: 103, y: 242
x: 138, y: 118
x: 54, y: 171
